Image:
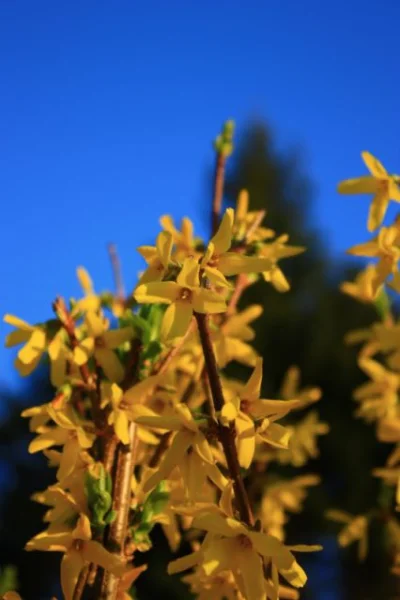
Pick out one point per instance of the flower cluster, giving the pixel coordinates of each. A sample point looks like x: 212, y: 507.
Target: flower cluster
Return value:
x: 146, y: 429
x: 379, y: 356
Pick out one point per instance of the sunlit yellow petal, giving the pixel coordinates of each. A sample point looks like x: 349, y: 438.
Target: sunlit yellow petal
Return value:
x: 94, y: 324
x: 19, y: 336
x: 34, y: 347
x: 121, y: 426
x: 377, y: 210
x: 96, y: 553
x: 223, y: 238
x: 251, y: 569
x: 176, y: 320
x: 184, y: 563
x: 359, y: 185
x: 216, y: 523
x: 172, y: 457
x: 189, y: 274
x: 19, y: 323
x: 164, y: 292
x: 374, y: 165
x: 84, y: 280
x: 71, y: 565
x: 164, y: 246
x: 232, y: 263
x: 110, y: 364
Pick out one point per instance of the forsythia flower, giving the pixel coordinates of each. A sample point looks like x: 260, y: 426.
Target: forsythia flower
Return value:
x: 247, y: 409
x: 274, y: 251
x: 364, y: 288
x: 183, y: 296
x: 79, y: 549
x: 34, y: 340
x: 189, y: 450
x: 101, y: 344
x: 231, y: 546
x: 158, y: 258
x: 231, y: 337
x: 386, y: 248
x: 379, y: 183
x: 91, y: 301
x: 355, y: 530
x: 218, y: 261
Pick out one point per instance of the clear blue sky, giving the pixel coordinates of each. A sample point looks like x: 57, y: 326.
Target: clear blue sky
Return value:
x: 107, y: 110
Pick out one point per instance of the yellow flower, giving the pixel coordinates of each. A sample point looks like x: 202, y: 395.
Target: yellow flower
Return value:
x: 284, y: 496
x: 69, y: 432
x: 158, y: 258
x: 63, y: 505
x: 183, y: 296
x: 183, y: 240
x: 356, y: 529
x: 222, y: 586
x: 217, y: 261
x: 365, y: 287
x: 378, y: 398
x: 231, y: 546
x: 303, y: 441
x: 274, y: 251
x: 100, y: 343
x: 231, y: 337
x: 247, y: 408
x: 34, y: 339
x: 386, y: 248
x: 111, y: 394
x: 189, y: 450
x: 36, y: 343
x: 379, y: 183
x: 290, y: 389
x: 91, y: 301
x: 245, y: 220
x: 79, y: 549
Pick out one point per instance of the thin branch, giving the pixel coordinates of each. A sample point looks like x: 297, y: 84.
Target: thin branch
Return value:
x: 117, y: 271
x: 124, y: 462
x: 121, y: 505
x: 226, y: 435
x: 242, y: 283
x: 67, y: 321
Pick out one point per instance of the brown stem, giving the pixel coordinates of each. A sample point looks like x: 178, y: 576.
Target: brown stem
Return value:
x: 160, y: 450
x: 99, y: 417
x: 226, y: 435
x: 80, y: 586
x: 242, y: 282
x: 117, y: 272
x: 219, y: 178
x: 124, y: 462
x: 121, y: 505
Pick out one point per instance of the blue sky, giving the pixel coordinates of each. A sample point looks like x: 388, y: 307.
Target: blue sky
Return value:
x: 107, y: 110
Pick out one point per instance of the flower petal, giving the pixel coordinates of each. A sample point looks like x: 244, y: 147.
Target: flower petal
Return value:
x: 176, y: 321
x: 359, y: 185
x: 164, y: 292
x: 110, y: 364
x: 374, y: 165
x: 251, y: 569
x: 71, y: 565
x: 189, y: 275
x: 223, y: 238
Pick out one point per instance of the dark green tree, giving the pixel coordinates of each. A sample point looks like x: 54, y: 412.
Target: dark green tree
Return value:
x: 306, y: 327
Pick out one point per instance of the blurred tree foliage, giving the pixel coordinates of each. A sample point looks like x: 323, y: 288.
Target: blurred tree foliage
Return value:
x: 304, y: 327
